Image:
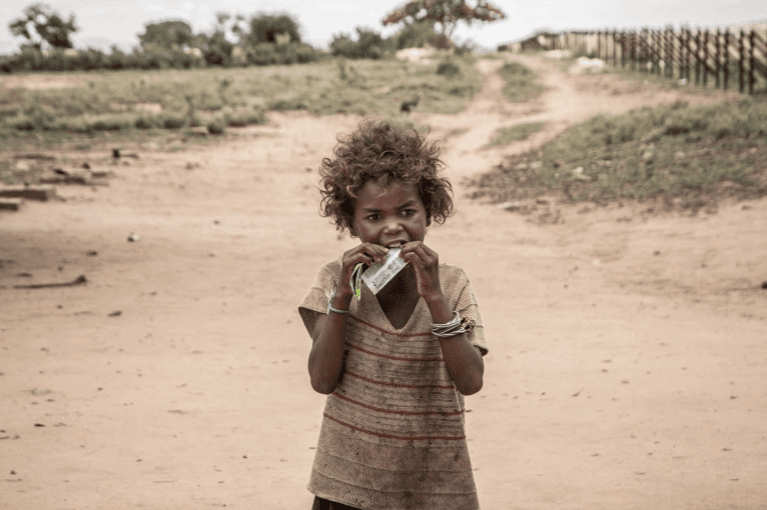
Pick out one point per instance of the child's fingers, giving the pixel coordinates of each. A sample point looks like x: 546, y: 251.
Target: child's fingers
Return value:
x: 376, y: 252
x: 418, y: 252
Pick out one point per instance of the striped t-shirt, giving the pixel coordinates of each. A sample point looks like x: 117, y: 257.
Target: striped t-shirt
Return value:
x: 392, y: 434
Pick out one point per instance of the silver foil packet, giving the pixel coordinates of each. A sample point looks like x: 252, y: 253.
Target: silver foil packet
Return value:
x: 378, y: 275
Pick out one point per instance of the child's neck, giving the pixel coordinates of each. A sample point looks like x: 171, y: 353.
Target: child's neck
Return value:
x: 399, y: 298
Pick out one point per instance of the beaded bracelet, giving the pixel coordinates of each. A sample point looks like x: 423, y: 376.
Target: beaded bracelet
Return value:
x: 452, y: 328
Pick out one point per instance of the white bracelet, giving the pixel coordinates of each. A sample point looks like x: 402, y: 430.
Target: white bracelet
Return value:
x: 331, y: 308
x: 452, y: 328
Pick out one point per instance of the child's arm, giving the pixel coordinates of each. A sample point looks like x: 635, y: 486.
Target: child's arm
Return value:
x: 326, y: 359
x: 464, y: 361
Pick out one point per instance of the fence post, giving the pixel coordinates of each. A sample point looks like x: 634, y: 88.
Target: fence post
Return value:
x: 726, y: 62
x: 688, y: 49
x: 751, y: 77
x: 680, y: 40
x: 633, y: 50
x: 741, y: 57
x: 705, y: 58
x: 658, y: 52
x: 599, y: 44
x: 623, y: 49
x: 718, y: 58
x: 697, y: 57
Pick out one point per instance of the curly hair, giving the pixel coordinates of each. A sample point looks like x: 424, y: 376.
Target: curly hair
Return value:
x: 380, y: 152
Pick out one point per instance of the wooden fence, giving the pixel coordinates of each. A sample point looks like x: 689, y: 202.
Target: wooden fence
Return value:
x: 702, y: 56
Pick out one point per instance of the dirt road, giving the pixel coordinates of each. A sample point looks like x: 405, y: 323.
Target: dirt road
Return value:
x: 628, y: 351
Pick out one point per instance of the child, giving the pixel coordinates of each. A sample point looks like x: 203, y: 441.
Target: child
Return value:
x: 395, y: 364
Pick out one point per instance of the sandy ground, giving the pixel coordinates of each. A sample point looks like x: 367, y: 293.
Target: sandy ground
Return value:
x: 628, y: 352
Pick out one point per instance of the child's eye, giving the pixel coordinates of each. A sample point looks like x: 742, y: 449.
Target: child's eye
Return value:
x: 408, y: 212
x: 374, y: 217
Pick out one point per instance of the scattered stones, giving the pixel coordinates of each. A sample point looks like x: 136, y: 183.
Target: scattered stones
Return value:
x: 132, y: 238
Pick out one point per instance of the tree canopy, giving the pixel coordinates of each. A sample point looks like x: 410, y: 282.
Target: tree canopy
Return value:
x: 445, y: 12
x: 47, y: 24
x: 167, y: 34
x: 273, y: 28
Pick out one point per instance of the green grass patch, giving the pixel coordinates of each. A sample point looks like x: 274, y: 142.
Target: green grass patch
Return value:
x: 676, y: 154
x: 515, y: 133
x: 121, y: 101
x: 520, y: 81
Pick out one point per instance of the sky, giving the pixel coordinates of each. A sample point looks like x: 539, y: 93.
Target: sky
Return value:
x: 106, y: 22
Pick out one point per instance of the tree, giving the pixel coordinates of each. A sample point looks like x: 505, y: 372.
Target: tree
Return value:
x: 167, y: 35
x: 48, y: 25
x: 217, y: 47
x: 273, y: 28
x: 445, y: 12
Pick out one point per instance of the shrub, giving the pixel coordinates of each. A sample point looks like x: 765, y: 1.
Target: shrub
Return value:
x: 143, y: 122
x: 216, y: 127
x: 448, y: 68
x: 415, y: 35
x: 172, y: 121
x: 369, y: 44
x: 263, y: 54
x: 305, y: 53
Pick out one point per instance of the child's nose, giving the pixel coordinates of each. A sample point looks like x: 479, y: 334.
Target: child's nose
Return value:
x: 393, y: 225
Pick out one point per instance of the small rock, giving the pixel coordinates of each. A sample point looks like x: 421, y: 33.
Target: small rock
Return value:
x: 509, y: 206
x: 764, y: 284
x: 116, y: 313
x: 648, y: 156
x: 579, y: 175
x: 132, y: 238
x: 521, y: 167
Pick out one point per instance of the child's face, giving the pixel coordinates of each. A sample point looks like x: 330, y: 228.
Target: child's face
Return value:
x: 389, y: 215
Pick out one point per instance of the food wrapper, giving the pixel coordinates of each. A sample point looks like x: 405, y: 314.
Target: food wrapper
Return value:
x: 378, y: 275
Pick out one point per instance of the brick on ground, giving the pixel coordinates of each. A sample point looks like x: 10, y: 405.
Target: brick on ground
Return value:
x: 43, y: 192
x: 11, y: 204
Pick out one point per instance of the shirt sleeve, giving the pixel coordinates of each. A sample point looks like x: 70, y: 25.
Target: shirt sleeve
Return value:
x: 468, y: 308
x: 316, y: 300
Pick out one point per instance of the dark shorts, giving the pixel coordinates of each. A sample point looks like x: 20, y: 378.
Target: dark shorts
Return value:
x: 324, y: 504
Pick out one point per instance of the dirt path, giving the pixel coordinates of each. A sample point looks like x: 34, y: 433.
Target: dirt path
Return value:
x: 628, y: 353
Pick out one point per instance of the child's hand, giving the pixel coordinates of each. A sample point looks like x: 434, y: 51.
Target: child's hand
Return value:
x: 367, y: 253
x: 425, y: 262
